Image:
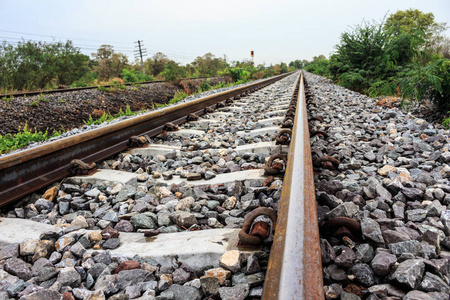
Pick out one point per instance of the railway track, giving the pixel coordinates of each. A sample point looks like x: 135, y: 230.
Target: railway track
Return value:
x: 203, y: 193
x: 65, y: 89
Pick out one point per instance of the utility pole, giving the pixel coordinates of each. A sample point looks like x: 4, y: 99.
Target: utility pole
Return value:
x: 140, y: 53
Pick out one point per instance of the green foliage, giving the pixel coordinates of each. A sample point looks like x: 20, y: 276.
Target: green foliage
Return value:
x: 237, y: 73
x: 179, y: 95
x: 87, y: 80
x: 34, y: 104
x: 103, y: 89
x: 36, y: 65
x: 173, y: 72
x: 42, y: 99
x: 8, y: 99
x: 431, y: 81
x: 446, y: 122
x: 208, y: 65
x: 9, y: 141
x: 133, y: 75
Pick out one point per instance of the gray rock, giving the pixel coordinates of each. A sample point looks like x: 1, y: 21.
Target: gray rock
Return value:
x: 181, y: 276
x: 371, y: 231
x: 238, y: 292
x: 107, y: 284
x: 17, y: 267
x: 43, y: 294
x: 413, y: 247
x: 327, y: 251
x: 445, y: 219
x: 44, y: 204
x: 9, y: 251
x: 363, y: 274
x: 382, y: 263
x: 112, y: 243
x: 77, y: 249
x: 409, y: 273
x: 185, y: 219
x: 433, y: 283
x: 364, y: 253
x: 416, y: 215
x: 69, y: 277
x: 111, y: 216
x: 418, y: 295
x: 142, y: 221
x: 412, y: 193
x: 210, y: 285
x: 130, y: 277
x: 252, y: 264
x: 346, y: 209
x: 345, y: 257
x: 180, y: 292
x: 349, y: 296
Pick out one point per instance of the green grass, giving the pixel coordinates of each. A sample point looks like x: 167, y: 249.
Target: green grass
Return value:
x: 8, y: 99
x: 9, y: 142
x: 106, y: 117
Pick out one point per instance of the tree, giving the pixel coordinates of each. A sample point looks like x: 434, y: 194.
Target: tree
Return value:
x: 209, y: 65
x: 109, y: 63
x: 415, y: 22
x: 31, y: 65
x: 157, y: 63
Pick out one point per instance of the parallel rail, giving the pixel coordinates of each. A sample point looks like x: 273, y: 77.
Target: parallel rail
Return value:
x: 26, y: 171
x: 92, y: 87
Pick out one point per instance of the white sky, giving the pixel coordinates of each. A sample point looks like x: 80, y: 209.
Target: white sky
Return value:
x: 276, y: 30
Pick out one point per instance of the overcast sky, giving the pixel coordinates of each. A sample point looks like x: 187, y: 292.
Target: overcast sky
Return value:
x: 276, y: 30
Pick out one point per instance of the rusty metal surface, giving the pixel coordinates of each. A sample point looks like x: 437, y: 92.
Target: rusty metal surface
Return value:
x: 295, y: 268
x: 29, y: 170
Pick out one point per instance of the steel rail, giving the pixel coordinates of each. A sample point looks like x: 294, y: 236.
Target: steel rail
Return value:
x: 62, y: 90
x: 29, y: 170
x: 295, y: 268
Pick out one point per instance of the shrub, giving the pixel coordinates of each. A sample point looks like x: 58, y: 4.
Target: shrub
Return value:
x: 431, y: 81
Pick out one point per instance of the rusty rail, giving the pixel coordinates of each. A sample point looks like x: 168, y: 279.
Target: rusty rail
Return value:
x: 92, y: 87
x: 26, y: 171
x: 295, y: 268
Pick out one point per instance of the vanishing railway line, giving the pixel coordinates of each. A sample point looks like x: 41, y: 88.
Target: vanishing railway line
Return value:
x: 200, y: 183
x: 66, y: 89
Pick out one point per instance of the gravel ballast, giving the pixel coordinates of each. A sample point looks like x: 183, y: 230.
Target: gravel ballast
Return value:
x: 393, y: 180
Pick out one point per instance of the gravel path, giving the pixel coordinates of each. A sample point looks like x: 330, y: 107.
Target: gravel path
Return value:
x: 392, y: 182
x: 59, y: 264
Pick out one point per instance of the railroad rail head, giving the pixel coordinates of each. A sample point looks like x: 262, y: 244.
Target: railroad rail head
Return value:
x: 295, y: 268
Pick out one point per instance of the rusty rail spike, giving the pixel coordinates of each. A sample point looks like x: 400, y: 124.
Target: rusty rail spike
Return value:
x: 316, y: 118
x: 169, y: 126
x: 255, y: 240
x: 270, y: 169
x: 319, y: 133
x: 327, y: 162
x: 192, y: 117
x: 79, y: 167
x: 283, y: 137
x: 137, y: 141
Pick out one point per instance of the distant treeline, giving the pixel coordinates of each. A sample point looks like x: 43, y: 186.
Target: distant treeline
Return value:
x: 43, y: 65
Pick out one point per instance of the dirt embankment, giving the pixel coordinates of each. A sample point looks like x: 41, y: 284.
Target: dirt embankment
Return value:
x: 68, y: 110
